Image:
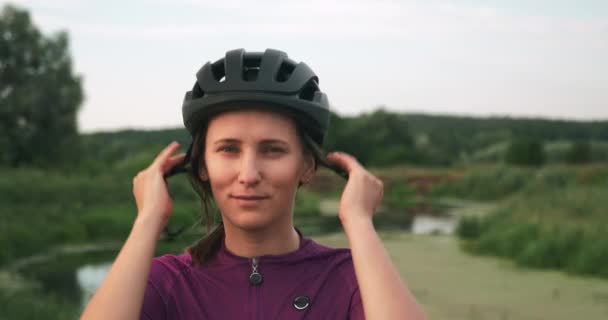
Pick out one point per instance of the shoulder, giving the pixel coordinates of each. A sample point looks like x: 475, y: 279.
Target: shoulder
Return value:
x: 339, y: 260
x: 318, y: 249
x: 165, y: 272
x: 168, y: 268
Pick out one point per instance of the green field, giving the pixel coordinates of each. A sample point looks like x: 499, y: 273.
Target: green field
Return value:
x: 44, y: 210
x: 451, y: 284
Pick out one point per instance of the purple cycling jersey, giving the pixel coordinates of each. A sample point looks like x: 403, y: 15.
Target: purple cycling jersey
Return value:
x: 313, y: 282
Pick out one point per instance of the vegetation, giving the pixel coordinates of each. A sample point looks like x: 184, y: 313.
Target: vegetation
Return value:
x: 452, y: 284
x: 555, y: 220
x: 579, y: 152
x: 525, y: 152
x: 485, y: 183
x: 548, y: 177
x: 39, y: 94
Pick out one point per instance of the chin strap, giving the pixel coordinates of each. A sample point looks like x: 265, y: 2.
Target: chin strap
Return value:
x: 180, y: 167
x: 168, y: 232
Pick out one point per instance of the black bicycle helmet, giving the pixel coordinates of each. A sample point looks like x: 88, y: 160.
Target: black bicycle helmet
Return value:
x: 270, y: 79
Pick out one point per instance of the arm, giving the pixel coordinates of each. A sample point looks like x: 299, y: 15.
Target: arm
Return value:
x: 383, y: 293
x: 121, y: 294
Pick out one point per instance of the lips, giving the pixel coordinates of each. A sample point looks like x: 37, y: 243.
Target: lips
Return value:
x: 249, y: 200
x: 249, y: 197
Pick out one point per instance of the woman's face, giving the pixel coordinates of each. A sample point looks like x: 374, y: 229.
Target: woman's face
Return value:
x: 254, y: 162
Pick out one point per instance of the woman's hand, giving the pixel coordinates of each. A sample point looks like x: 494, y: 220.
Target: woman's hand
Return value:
x: 363, y: 191
x: 150, y: 188
x: 383, y: 293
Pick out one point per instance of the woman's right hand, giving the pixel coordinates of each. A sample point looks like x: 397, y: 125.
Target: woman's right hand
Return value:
x: 152, y: 197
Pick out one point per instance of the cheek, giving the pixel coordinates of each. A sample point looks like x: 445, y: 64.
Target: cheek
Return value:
x: 284, y: 173
x: 218, y: 171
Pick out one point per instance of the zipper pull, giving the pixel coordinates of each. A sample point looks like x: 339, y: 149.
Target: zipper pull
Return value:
x: 255, y: 278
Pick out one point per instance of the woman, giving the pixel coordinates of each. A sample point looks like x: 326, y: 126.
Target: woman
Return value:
x: 257, y: 122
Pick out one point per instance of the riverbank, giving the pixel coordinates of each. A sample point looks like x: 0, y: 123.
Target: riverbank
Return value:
x: 452, y: 284
x: 448, y: 282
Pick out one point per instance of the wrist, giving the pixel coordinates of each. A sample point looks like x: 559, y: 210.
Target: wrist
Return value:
x: 356, y: 221
x: 149, y: 223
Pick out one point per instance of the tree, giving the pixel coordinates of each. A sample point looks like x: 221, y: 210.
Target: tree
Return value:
x: 39, y: 94
x: 579, y: 152
x: 525, y: 152
x: 378, y: 138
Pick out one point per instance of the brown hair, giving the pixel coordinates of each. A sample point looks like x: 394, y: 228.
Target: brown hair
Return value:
x: 206, y: 247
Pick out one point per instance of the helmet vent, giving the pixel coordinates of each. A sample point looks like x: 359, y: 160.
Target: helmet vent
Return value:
x: 197, y: 92
x: 285, y: 71
x: 218, y: 70
x: 309, y: 90
x: 251, y: 68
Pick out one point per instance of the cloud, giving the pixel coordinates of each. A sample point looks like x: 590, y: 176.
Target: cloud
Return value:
x: 431, y: 55
x: 323, y: 19
x: 320, y: 18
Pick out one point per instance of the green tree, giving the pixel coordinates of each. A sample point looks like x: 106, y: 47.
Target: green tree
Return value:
x: 525, y: 152
x: 39, y: 94
x: 377, y: 138
x: 579, y: 152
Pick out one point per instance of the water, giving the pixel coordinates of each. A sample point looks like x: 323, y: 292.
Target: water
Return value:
x: 426, y: 224
x: 89, y: 278
x: 77, y: 276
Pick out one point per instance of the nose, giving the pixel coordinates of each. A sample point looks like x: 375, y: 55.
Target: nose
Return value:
x: 249, y: 173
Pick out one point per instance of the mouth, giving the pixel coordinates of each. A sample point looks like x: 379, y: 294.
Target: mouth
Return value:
x: 249, y: 200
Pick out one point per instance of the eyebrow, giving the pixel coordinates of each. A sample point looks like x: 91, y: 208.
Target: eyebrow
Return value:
x: 237, y: 141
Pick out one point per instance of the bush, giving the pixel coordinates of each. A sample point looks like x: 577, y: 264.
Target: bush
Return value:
x: 33, y: 303
x: 507, y: 241
x: 592, y: 258
x: 469, y: 227
x: 485, y: 183
x: 307, y: 204
x: 400, y: 196
x: 560, y: 228
x: 554, y: 248
x: 579, y: 152
x: 552, y: 178
x: 525, y: 152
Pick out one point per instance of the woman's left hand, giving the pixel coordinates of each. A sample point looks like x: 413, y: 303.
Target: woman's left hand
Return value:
x: 363, y: 191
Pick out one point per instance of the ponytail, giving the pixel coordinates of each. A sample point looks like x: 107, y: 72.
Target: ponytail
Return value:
x: 206, y: 247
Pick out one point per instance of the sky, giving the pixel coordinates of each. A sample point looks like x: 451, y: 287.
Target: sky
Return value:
x: 545, y: 58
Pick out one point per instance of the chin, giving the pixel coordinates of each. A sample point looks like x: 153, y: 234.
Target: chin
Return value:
x: 250, y: 220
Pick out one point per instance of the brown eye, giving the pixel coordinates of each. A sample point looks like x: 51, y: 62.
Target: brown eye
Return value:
x: 228, y: 149
x: 271, y: 149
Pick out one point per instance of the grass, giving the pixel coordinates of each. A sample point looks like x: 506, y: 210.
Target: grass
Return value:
x: 451, y: 284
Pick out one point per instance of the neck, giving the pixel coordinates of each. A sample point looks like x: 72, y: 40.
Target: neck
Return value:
x: 256, y: 243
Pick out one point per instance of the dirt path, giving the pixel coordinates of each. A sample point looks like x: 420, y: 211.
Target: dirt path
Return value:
x: 452, y: 284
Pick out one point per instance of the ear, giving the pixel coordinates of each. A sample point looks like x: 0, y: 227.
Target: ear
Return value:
x: 309, y: 169
x: 202, y: 173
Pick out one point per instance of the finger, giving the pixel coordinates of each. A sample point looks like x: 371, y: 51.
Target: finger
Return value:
x: 166, y: 152
x: 173, y: 161
x: 344, y: 160
x: 180, y: 156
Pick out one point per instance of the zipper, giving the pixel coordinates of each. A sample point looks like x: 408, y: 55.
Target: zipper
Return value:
x: 255, y: 280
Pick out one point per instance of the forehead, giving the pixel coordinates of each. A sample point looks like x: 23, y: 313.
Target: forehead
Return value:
x: 251, y: 124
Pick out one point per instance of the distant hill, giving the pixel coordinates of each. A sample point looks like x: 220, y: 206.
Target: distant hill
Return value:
x: 383, y: 138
